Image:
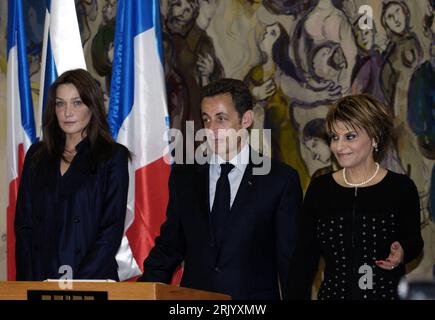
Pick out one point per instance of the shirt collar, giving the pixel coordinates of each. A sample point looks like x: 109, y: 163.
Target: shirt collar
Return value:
x: 239, y: 161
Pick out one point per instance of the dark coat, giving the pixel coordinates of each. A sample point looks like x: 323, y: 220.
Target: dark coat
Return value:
x: 74, y: 220
x: 259, y: 237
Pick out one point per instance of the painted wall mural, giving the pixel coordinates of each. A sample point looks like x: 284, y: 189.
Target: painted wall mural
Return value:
x: 297, y: 57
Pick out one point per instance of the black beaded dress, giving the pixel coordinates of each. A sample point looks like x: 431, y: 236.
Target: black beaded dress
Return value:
x: 352, y: 229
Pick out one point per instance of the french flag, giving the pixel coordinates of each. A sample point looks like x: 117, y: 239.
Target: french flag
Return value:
x: 138, y: 118
x: 21, y: 131
x: 61, y: 47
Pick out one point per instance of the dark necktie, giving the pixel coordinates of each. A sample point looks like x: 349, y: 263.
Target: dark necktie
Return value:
x: 222, y: 202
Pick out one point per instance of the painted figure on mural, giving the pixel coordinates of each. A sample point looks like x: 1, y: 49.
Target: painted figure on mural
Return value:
x: 403, y: 51
x: 265, y: 85
x: 421, y: 103
x: 176, y: 91
x: 34, y: 25
x: 401, y: 57
x: 366, y: 72
x: 421, y: 99
x: 326, y: 22
x: 103, y: 43
x: 87, y: 10
x: 301, y: 85
x: 276, y: 84
x: 366, y: 78
x: 294, y: 83
x: 326, y: 62
x: 316, y: 140
x: 289, y: 7
x: 195, y: 53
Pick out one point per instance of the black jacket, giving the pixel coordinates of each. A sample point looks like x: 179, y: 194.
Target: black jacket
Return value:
x: 74, y: 220
x: 259, y: 237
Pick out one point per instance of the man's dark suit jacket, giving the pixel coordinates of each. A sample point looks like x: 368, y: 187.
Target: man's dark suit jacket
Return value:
x: 259, y: 240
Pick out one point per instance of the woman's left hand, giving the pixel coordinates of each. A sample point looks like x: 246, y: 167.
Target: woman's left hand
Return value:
x: 394, y: 259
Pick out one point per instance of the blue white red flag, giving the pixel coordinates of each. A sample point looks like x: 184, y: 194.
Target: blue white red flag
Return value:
x: 21, y: 131
x: 62, y: 46
x: 138, y: 118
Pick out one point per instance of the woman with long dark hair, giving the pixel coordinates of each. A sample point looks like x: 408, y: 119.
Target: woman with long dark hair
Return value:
x: 73, y: 192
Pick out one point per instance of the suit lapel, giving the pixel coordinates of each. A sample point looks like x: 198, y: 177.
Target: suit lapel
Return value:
x: 245, y: 188
x: 203, y: 194
x: 242, y: 193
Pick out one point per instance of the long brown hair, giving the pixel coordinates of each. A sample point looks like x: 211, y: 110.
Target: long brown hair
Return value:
x: 101, y: 141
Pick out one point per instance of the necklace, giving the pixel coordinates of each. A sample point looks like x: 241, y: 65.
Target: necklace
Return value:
x: 356, y: 185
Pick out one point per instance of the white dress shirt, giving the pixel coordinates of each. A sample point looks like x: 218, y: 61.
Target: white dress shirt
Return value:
x: 240, y: 161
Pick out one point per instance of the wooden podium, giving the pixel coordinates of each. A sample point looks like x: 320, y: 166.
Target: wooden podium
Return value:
x: 24, y: 290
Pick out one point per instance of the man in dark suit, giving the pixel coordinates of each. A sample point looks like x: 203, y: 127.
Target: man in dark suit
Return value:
x: 233, y: 224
